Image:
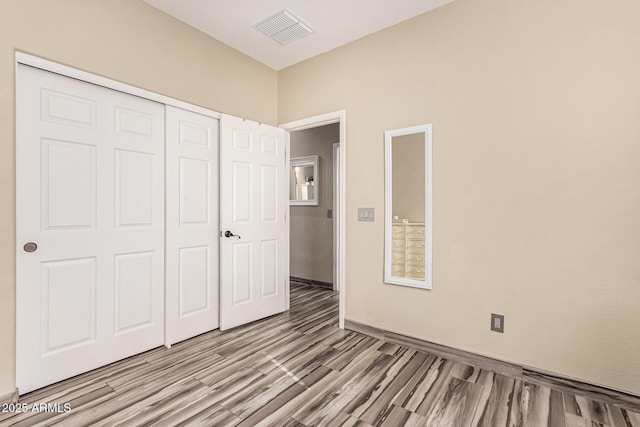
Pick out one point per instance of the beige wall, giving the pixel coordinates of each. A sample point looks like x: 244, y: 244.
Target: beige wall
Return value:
x: 408, y: 169
x: 535, y: 107
x: 125, y: 40
x: 311, y: 249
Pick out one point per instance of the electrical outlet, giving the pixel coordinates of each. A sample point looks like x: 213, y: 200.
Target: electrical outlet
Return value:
x: 497, y: 323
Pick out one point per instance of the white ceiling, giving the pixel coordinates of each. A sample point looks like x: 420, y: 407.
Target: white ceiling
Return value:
x: 335, y: 23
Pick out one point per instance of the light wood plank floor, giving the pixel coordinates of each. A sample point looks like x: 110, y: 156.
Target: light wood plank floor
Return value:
x: 300, y: 369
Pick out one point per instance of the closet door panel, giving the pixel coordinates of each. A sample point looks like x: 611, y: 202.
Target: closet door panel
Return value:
x: 192, y: 225
x: 89, y: 228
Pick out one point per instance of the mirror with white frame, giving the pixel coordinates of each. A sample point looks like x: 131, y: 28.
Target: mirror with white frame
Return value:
x: 408, y: 207
x: 304, y: 181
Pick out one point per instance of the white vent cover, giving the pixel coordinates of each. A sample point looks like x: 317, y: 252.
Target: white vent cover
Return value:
x: 284, y: 27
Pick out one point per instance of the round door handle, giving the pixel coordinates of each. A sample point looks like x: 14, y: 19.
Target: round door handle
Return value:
x: 230, y: 234
x: 30, y: 247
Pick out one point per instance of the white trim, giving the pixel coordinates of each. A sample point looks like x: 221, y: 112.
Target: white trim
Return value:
x: 287, y: 220
x: 321, y: 120
x: 336, y: 215
x: 388, y: 278
x: 54, y: 67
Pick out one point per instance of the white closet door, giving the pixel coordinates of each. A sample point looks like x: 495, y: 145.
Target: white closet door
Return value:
x: 192, y: 224
x: 90, y: 195
x: 254, y: 202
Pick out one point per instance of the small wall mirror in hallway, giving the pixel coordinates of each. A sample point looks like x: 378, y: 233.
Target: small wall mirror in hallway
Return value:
x: 408, y: 207
x: 305, y: 183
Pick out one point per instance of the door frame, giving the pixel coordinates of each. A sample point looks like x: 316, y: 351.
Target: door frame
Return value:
x: 54, y: 67
x: 337, y: 208
x: 313, y: 122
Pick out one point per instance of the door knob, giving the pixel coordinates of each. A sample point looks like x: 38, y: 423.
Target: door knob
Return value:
x: 30, y: 247
x: 230, y: 234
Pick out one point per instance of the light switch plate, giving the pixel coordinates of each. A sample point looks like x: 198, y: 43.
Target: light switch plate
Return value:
x: 366, y: 214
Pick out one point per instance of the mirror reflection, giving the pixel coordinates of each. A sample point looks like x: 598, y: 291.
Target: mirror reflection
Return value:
x: 407, y: 191
x: 304, y: 181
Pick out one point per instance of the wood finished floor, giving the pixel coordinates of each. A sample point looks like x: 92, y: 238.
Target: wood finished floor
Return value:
x: 299, y: 369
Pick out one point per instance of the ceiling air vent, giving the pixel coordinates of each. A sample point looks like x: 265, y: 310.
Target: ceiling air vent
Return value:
x: 284, y: 27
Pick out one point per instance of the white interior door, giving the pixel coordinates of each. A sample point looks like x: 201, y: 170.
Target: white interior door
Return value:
x: 192, y: 254
x: 254, y: 203
x: 90, y: 195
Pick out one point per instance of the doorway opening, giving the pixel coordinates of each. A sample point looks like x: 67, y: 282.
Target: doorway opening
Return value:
x: 312, y: 259
x: 316, y: 237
